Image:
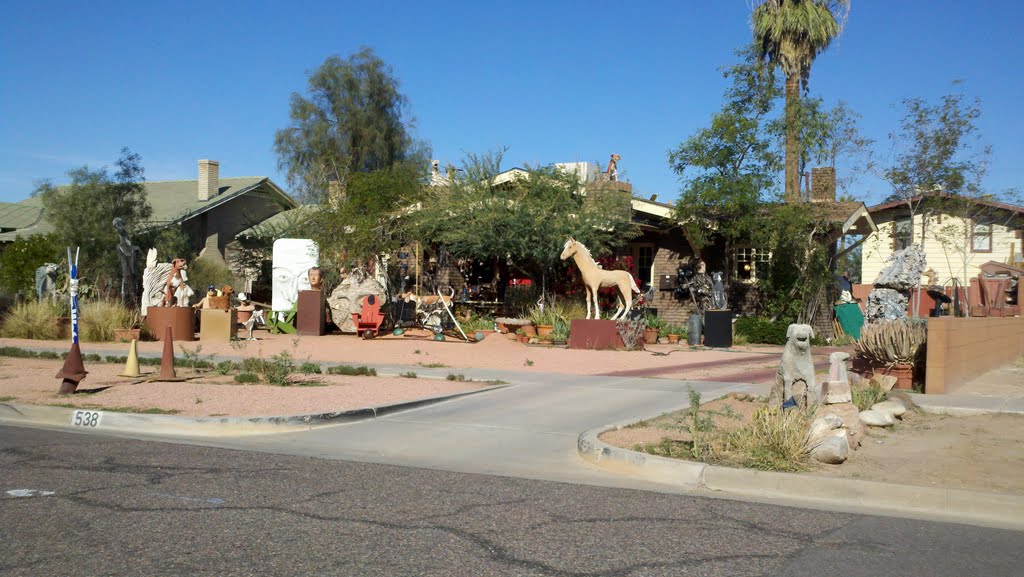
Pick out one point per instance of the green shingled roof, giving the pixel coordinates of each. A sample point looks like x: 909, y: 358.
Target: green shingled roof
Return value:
x: 172, y: 201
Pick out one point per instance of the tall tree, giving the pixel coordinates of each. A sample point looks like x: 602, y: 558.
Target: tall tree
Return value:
x: 353, y: 119
x: 790, y: 34
x: 82, y: 213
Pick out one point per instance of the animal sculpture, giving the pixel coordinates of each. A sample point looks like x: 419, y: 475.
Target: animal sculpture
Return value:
x: 595, y: 278
x: 795, y: 378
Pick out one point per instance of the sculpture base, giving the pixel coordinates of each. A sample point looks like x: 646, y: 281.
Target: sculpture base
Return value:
x: 217, y: 325
x: 182, y: 321
x: 311, y: 318
x: 718, y: 328
x: 596, y: 334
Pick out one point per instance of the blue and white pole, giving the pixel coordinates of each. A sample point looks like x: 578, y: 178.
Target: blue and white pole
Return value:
x: 73, y: 371
x: 73, y: 291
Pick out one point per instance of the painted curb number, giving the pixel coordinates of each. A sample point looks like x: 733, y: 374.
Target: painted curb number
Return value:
x: 90, y: 419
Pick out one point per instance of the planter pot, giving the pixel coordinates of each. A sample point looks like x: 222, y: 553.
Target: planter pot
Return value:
x: 544, y: 330
x: 127, y: 335
x: 650, y: 336
x: 673, y: 339
x: 529, y: 330
x: 512, y: 336
x: 524, y: 339
x: 904, y: 375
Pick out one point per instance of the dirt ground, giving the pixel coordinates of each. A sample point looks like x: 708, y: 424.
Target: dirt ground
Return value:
x: 979, y: 453
x: 208, y: 394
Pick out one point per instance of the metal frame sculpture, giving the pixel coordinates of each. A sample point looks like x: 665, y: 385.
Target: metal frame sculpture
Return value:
x: 596, y: 278
x: 73, y: 370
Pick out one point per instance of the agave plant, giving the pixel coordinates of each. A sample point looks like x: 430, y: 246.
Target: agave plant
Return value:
x: 892, y: 342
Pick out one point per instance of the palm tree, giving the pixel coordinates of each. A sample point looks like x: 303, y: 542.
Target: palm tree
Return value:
x: 790, y: 34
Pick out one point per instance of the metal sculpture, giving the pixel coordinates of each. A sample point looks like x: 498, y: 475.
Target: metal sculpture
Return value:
x: 596, y: 278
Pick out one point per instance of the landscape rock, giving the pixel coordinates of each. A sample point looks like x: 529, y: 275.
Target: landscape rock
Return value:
x: 877, y: 418
x: 848, y: 413
x: 833, y: 392
x: 821, y: 428
x: 895, y: 408
x: 886, y: 304
x: 833, y: 450
x: 903, y: 398
x: 884, y: 382
x: 904, y: 269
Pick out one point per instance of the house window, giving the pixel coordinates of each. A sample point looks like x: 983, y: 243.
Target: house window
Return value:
x: 981, y: 237
x: 745, y: 261
x: 902, y: 234
x: 643, y: 263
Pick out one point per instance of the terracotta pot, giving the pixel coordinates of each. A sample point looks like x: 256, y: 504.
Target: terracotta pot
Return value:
x: 904, y: 375
x: 544, y: 330
x: 502, y: 328
x: 524, y: 339
x: 244, y: 316
x: 126, y: 335
x: 529, y: 330
x: 673, y: 339
x: 650, y: 336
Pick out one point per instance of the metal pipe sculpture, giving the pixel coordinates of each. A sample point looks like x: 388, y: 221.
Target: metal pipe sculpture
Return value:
x: 73, y: 370
x: 596, y: 278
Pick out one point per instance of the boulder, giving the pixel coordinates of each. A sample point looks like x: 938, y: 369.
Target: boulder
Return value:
x: 884, y: 382
x: 833, y: 450
x: 877, y: 418
x: 848, y: 414
x: 886, y: 304
x: 902, y: 398
x: 833, y: 392
x: 895, y: 408
x: 347, y: 298
x: 904, y: 269
x: 821, y: 428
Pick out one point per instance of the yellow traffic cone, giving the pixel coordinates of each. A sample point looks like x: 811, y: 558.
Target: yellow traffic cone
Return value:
x: 131, y: 368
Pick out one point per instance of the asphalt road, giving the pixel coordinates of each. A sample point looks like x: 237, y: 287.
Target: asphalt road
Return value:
x: 127, y: 507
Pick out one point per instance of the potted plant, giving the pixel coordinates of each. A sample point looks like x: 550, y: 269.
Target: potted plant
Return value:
x: 892, y: 347
x: 521, y: 333
x: 544, y: 319
x: 560, y: 335
x: 673, y: 333
x: 653, y: 330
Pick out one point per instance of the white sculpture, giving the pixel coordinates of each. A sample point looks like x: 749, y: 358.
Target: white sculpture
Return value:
x: 292, y: 259
x: 795, y: 378
x: 595, y: 278
x: 154, y: 283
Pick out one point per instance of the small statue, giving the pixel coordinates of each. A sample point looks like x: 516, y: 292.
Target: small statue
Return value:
x: 613, y: 167
x: 717, y: 291
x: 46, y: 281
x: 175, y: 279
x: 701, y: 289
x: 316, y: 279
x: 126, y: 253
x: 204, y: 303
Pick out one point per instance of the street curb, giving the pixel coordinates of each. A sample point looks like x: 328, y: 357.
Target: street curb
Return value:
x: 812, y: 491
x: 173, y: 425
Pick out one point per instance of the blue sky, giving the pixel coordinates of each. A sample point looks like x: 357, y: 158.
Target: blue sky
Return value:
x: 553, y: 81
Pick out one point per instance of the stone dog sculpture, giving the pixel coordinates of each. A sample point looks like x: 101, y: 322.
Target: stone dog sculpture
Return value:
x: 46, y: 281
x: 795, y: 378
x: 158, y: 277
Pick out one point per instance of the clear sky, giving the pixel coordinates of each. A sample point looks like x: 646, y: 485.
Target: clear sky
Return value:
x: 554, y: 81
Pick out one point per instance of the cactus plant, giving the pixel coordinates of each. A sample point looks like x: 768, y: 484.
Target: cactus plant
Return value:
x: 892, y: 342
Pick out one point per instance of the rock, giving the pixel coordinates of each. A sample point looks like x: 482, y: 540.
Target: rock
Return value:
x: 903, y: 398
x: 848, y: 413
x: 904, y: 269
x: 833, y: 450
x: 886, y: 304
x: 833, y: 392
x: 739, y: 396
x: 855, y: 379
x: 884, y: 382
x: 895, y: 408
x: 877, y: 418
x: 821, y: 428
x: 347, y: 298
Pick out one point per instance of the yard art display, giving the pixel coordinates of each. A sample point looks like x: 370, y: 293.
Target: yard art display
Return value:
x: 596, y: 278
x: 159, y: 278
x: 292, y: 259
x: 73, y: 370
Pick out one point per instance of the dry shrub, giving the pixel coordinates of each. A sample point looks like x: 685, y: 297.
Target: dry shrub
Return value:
x: 32, y: 320
x: 99, y: 318
x: 774, y: 440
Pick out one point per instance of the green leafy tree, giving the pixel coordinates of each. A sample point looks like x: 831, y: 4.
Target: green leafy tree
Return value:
x: 729, y: 167
x: 352, y: 120
x: 20, y: 259
x: 790, y: 34
x: 520, y: 223
x: 82, y: 214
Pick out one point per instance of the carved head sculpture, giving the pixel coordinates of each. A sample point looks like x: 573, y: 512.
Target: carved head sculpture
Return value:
x: 799, y: 337
x: 178, y: 265
x: 569, y: 248
x: 316, y: 278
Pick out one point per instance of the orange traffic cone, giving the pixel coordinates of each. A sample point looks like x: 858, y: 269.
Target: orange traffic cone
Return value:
x: 72, y: 372
x: 167, y: 360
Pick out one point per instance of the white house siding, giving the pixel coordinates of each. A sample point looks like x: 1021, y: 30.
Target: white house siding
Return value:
x: 947, y: 259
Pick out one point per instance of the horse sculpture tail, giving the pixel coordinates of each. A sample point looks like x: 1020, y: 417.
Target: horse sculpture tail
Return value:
x: 632, y: 282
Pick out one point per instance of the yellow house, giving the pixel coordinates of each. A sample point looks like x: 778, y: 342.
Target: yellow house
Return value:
x: 958, y: 235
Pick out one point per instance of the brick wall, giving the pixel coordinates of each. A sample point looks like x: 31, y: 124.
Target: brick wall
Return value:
x: 671, y: 251
x: 960, y: 349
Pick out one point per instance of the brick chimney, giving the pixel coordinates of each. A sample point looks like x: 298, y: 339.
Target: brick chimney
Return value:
x: 209, y: 179
x: 823, y: 184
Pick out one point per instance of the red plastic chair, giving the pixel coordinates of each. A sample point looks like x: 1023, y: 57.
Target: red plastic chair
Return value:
x: 370, y: 319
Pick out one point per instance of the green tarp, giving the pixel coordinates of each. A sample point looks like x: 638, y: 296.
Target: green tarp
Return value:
x: 850, y: 318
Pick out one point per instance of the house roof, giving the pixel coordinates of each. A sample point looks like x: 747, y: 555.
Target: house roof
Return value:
x: 173, y: 201
x: 853, y: 216
x: 918, y: 198
x: 280, y: 220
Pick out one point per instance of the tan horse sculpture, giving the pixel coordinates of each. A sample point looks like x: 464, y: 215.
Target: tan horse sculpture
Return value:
x: 595, y: 278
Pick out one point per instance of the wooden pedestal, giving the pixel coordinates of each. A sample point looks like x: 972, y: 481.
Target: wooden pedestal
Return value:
x: 594, y: 334
x: 217, y: 325
x: 182, y: 321
x: 311, y: 317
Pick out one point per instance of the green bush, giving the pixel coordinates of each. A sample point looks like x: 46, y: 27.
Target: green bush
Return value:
x: 99, y: 318
x: 352, y: 371
x: 764, y: 331
x: 204, y: 272
x: 32, y: 320
x: 247, y: 378
x: 20, y: 259
x: 224, y: 367
x: 310, y: 368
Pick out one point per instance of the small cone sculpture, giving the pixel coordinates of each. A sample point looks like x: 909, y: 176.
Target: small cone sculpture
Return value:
x: 131, y: 367
x: 167, y: 360
x: 72, y: 372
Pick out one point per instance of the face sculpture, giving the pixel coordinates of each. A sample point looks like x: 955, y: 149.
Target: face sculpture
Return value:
x: 316, y: 279
x: 292, y: 259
